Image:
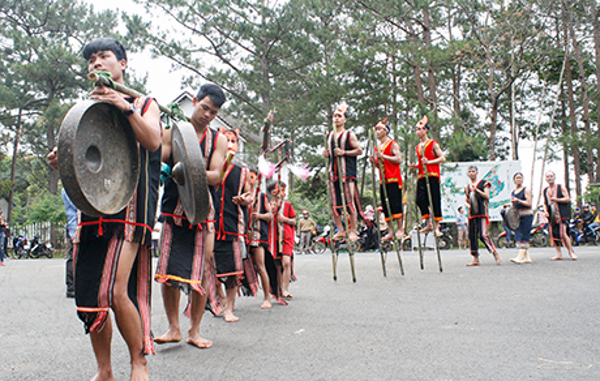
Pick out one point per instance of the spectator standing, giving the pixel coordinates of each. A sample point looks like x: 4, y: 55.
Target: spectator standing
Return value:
x: 461, y: 226
x: 3, y: 230
x: 306, y: 227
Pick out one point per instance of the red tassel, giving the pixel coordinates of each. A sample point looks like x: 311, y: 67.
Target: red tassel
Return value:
x: 100, y: 231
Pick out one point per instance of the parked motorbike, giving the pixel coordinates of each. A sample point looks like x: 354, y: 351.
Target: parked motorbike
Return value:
x: 20, y: 246
x: 323, y: 241
x: 33, y: 250
x: 320, y: 242
x: 444, y: 241
x: 40, y: 249
x: 538, y: 238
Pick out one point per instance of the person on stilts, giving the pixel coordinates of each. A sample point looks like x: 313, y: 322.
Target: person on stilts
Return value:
x: 347, y: 150
x: 388, y: 151
x: 433, y: 158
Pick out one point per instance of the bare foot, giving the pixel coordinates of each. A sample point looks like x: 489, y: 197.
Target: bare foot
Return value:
x: 287, y: 295
x: 497, y: 257
x: 172, y: 336
x: 101, y: 376
x: 198, y: 341
x: 474, y: 263
x: 139, y: 372
x: 230, y: 317
x: 388, y: 237
x: 353, y: 236
x: 400, y: 234
x: 557, y: 258
x: 339, y: 235
x: 266, y: 305
x: 427, y: 228
x: 573, y: 256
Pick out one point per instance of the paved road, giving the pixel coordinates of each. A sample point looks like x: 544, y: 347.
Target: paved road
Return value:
x: 508, y: 322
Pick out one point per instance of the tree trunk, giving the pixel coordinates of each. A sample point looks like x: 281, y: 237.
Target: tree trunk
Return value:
x: 565, y: 132
x: 417, y: 70
x: 596, y: 25
x: 430, y: 72
x: 573, y: 121
x: 514, y: 135
x: 494, y: 110
x: 585, y: 103
x: 13, y: 169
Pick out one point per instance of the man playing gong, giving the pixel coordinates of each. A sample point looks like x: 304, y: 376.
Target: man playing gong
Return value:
x: 429, y: 154
x: 558, y: 210
x: 388, y: 151
x: 185, y: 262
x: 112, y: 253
x: 345, y: 148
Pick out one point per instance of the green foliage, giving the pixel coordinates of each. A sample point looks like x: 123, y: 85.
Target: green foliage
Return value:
x: 458, y: 62
x: 48, y: 207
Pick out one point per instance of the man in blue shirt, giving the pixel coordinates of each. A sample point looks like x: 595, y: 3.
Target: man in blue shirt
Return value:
x: 70, y: 229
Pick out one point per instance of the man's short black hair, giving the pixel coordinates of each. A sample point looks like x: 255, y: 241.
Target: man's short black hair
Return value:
x: 253, y: 169
x: 214, y: 92
x: 104, y: 44
x: 271, y: 186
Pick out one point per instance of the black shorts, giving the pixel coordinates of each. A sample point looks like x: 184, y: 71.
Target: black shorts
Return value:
x: 394, y: 195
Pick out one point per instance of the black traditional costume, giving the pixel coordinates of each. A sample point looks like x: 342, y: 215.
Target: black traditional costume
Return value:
x: 182, y: 249
x: 231, y: 256
x: 98, y: 243
x: 348, y: 169
x: 433, y: 176
x: 479, y: 219
x: 557, y: 220
x: 260, y: 238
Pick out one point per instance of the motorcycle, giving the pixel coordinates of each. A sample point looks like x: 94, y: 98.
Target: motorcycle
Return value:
x: 538, y: 237
x: 40, y: 249
x: 20, y: 248
x: 586, y: 235
x: 323, y: 241
x: 34, y: 250
x: 444, y: 241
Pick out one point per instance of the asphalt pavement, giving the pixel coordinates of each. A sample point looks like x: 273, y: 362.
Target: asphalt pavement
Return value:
x: 539, y: 321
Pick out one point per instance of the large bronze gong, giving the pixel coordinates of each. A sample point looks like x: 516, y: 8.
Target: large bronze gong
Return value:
x: 511, y: 217
x: 189, y: 172
x: 98, y: 158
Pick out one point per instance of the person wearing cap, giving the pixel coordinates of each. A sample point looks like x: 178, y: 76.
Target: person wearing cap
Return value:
x: 345, y: 154
x: 433, y: 157
x: 388, y: 151
x: 595, y: 221
x: 306, y: 227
